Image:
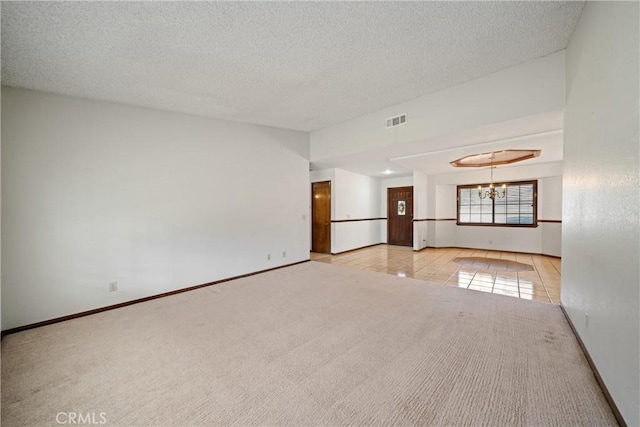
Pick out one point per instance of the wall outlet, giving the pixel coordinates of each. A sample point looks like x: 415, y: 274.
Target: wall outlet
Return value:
x: 113, y: 286
x: 268, y: 257
x: 491, y: 242
x: 586, y: 320
x: 284, y: 254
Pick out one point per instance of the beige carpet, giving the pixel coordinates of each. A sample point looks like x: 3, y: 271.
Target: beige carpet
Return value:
x: 313, y: 344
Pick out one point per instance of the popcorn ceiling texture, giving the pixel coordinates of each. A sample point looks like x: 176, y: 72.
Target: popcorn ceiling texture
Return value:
x: 301, y: 66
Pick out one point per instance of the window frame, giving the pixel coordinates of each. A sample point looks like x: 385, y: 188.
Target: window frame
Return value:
x: 498, y: 186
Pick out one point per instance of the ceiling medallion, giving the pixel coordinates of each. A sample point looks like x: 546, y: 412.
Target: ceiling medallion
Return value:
x: 492, y: 159
x: 495, y: 158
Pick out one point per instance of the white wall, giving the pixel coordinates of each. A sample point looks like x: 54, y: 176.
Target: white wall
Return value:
x: 97, y: 192
x: 353, y: 196
x: 420, y: 197
x: 442, y: 206
x: 356, y: 197
x: 550, y: 208
x: 322, y: 175
x: 600, y: 240
x: 527, y: 89
x: 543, y: 239
x: 385, y: 184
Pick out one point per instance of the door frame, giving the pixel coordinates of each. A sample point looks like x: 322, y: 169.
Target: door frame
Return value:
x: 388, y: 215
x: 329, y: 234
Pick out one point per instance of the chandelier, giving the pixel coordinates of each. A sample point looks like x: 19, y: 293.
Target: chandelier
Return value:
x: 503, y: 157
x: 492, y: 193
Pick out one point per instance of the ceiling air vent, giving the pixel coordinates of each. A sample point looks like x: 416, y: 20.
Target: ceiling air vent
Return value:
x: 397, y: 121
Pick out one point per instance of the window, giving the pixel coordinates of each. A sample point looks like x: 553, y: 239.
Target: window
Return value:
x: 519, y: 206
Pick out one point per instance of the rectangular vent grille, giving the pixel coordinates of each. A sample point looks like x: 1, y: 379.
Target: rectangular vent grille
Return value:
x: 397, y: 121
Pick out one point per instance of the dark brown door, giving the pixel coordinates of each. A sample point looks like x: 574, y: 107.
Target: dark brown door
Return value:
x: 321, y: 217
x: 400, y: 216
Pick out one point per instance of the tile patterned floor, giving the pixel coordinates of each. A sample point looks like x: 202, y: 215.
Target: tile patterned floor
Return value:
x: 438, y: 266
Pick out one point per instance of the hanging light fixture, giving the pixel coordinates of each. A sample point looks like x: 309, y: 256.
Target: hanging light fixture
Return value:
x: 492, y: 193
x: 503, y: 157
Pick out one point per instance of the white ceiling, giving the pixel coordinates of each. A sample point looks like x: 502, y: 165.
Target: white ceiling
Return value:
x: 296, y: 65
x: 432, y: 156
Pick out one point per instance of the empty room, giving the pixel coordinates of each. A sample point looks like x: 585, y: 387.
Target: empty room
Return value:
x: 320, y: 213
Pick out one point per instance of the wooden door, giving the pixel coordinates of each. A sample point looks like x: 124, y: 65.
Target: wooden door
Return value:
x: 321, y: 217
x: 400, y: 216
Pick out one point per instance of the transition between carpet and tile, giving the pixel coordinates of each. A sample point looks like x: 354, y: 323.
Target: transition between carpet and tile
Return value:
x: 313, y: 344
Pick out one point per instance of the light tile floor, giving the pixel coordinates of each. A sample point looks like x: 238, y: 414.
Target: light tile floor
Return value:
x: 437, y: 266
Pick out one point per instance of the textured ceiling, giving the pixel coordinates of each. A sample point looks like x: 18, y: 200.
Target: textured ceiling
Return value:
x: 301, y: 65
x: 432, y: 156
